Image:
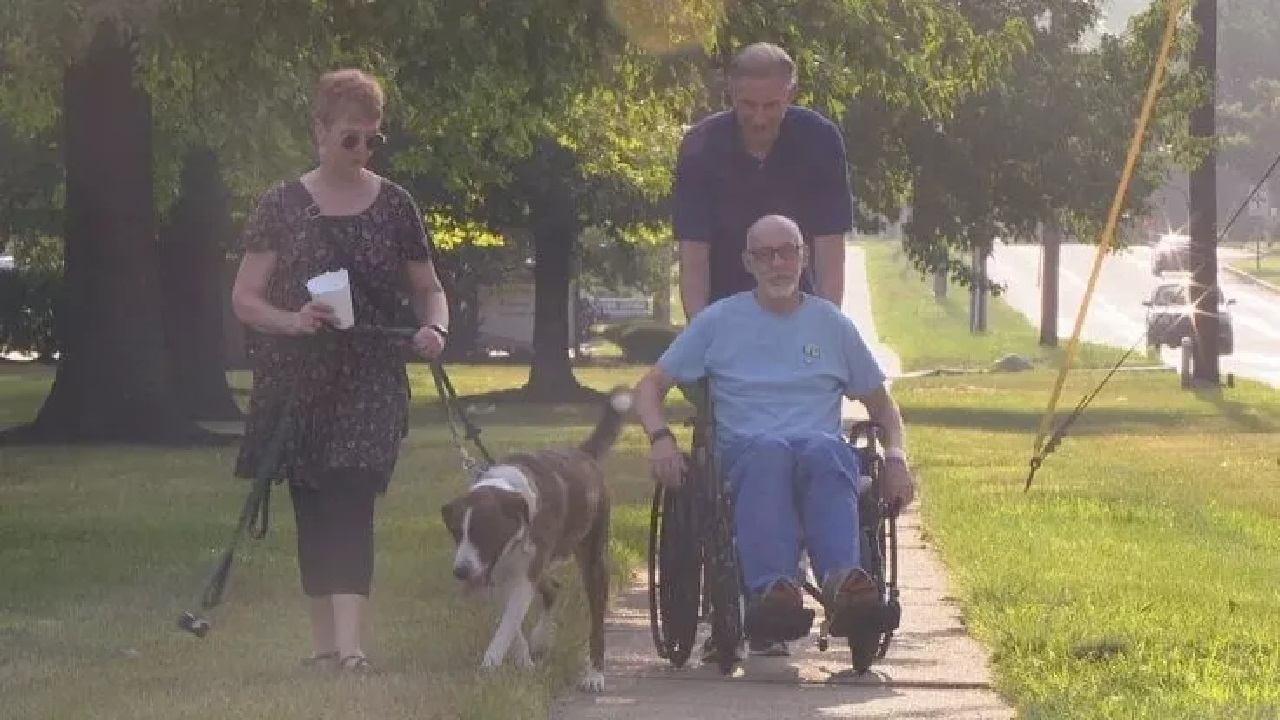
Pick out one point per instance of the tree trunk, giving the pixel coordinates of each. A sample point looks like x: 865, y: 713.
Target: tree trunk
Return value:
x: 662, y: 298
x: 551, y: 373
x: 978, y: 292
x: 112, y: 382
x: 1051, y: 244
x: 193, y: 257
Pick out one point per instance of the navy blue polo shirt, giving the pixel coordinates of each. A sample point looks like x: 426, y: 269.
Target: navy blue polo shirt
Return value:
x: 720, y: 189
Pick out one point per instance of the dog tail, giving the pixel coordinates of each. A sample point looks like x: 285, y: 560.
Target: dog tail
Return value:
x: 607, y: 429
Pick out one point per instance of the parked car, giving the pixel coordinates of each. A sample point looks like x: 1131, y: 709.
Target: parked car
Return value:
x: 1169, y: 314
x: 1171, y: 253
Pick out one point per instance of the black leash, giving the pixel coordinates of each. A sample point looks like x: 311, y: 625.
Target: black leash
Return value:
x: 452, y: 406
x: 255, y: 513
x: 454, y: 413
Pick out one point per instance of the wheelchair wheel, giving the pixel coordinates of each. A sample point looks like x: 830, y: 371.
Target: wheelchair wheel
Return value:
x: 893, y: 604
x: 880, y: 548
x: 675, y: 574
x: 724, y: 592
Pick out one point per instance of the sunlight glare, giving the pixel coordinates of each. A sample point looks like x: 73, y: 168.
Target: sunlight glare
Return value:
x: 663, y: 27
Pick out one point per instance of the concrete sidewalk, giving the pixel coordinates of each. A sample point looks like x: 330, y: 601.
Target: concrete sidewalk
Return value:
x: 932, y: 670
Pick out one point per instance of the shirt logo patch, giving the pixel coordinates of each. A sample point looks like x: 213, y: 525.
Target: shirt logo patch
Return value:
x: 812, y: 352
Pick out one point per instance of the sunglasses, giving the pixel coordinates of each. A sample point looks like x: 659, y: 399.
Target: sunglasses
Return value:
x: 373, y: 142
x: 781, y: 252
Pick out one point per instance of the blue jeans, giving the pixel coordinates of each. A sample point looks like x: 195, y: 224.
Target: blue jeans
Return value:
x: 791, y: 494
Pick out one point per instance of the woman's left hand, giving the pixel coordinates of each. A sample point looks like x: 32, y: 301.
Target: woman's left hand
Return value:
x: 429, y: 342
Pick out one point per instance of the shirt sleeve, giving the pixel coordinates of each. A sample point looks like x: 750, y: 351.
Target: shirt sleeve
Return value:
x: 833, y: 198
x: 862, y: 371
x: 413, y: 239
x: 690, y: 201
x: 265, y: 228
x: 685, y: 359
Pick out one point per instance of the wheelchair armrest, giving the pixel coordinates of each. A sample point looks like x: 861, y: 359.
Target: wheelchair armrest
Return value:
x: 872, y: 433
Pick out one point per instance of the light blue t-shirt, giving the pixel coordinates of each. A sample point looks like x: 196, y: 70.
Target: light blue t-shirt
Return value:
x: 771, y: 374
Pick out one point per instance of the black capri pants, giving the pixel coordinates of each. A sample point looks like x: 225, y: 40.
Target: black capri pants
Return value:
x: 335, y: 537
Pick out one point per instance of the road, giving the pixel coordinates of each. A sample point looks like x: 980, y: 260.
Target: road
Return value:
x: 1116, y: 315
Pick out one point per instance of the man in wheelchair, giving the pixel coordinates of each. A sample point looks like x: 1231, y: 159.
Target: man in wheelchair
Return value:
x: 778, y: 363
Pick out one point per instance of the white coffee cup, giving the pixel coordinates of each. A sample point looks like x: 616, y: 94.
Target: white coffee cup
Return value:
x: 334, y: 290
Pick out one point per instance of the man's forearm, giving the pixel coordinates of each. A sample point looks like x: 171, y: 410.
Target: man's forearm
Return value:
x: 649, y: 393
x: 883, y: 410
x: 693, y: 295
x: 829, y: 252
x: 695, y: 277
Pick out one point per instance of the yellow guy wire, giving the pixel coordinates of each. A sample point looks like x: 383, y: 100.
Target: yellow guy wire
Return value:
x: 1135, y: 146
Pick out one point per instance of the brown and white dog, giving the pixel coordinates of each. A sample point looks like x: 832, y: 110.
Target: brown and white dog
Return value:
x: 527, y: 512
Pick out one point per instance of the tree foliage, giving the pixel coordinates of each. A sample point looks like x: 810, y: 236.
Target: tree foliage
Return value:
x: 1248, y: 86
x: 1047, y: 142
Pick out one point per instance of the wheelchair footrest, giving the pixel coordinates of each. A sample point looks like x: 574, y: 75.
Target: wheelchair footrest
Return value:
x: 891, y: 616
x: 775, y: 625
x: 879, y: 619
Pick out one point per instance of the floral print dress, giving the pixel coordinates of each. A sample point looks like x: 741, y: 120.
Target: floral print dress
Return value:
x: 352, y: 393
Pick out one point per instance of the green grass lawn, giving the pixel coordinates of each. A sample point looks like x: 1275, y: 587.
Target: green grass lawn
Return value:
x: 101, y: 549
x: 1270, y: 270
x: 1136, y: 579
x: 928, y: 333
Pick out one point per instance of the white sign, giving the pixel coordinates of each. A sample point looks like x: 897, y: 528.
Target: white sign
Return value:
x: 623, y: 308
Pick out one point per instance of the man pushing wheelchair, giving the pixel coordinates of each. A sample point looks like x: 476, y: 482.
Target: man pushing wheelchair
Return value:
x: 778, y: 361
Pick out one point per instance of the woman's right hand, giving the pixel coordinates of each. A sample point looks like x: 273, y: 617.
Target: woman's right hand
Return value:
x: 311, y: 317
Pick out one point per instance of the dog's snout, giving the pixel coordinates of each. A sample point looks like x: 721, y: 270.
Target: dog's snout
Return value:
x: 462, y: 571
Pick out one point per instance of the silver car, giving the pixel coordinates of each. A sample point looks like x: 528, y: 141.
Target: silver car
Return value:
x: 1169, y: 315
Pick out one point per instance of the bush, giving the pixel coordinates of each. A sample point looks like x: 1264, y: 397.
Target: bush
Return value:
x: 642, y: 342
x: 28, y: 297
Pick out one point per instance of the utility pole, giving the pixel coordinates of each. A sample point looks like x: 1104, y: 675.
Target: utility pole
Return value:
x: 1051, y: 245
x: 1203, y: 203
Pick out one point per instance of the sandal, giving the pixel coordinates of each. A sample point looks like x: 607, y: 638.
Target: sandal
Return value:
x: 356, y: 664
x: 320, y: 658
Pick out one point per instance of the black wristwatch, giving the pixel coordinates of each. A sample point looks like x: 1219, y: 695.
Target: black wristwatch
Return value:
x: 439, y: 330
x: 662, y: 432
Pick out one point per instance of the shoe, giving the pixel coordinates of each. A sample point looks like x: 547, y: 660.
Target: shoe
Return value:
x: 780, y: 596
x: 317, y: 659
x: 765, y: 648
x: 357, y: 665
x: 852, y: 600
x: 709, y: 650
x: 778, y: 613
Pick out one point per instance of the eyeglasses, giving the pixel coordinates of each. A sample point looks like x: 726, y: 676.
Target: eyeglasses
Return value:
x: 780, y: 252
x: 373, y: 142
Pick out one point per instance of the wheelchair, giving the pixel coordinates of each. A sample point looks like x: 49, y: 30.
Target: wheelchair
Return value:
x: 693, y: 569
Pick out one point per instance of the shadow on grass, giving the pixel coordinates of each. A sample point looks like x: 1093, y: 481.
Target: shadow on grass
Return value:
x: 1092, y: 421
x: 1240, y: 415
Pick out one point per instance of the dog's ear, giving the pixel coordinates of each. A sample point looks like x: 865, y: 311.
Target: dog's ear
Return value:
x: 451, y: 513
x: 514, y: 507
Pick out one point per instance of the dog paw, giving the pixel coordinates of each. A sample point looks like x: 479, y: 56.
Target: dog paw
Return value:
x: 491, y: 660
x: 592, y: 681
x: 540, y: 639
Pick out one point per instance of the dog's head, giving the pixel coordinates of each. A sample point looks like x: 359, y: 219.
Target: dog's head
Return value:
x: 485, y: 524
